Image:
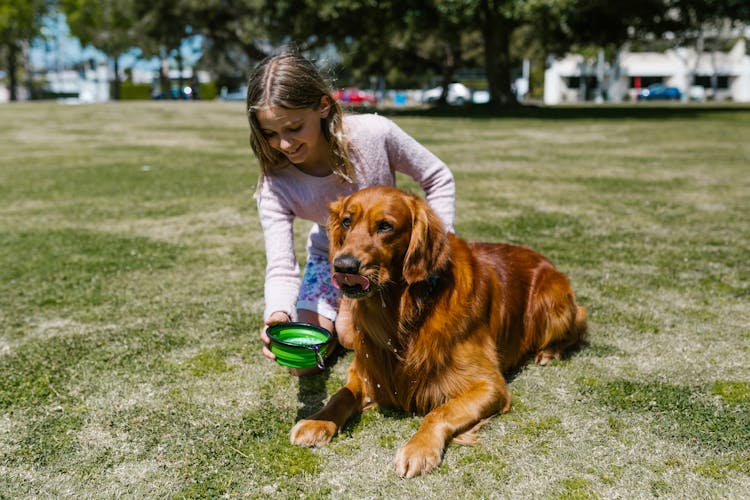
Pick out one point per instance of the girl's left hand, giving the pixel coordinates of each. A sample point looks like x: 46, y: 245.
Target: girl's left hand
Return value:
x: 275, y: 317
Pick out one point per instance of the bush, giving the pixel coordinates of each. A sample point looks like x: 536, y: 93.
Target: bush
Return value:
x: 142, y: 91
x: 207, y: 91
x: 133, y: 91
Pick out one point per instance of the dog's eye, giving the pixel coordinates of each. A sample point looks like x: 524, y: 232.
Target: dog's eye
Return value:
x: 346, y: 222
x: 384, y: 227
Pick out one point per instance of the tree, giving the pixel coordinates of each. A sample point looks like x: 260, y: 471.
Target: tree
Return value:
x: 20, y: 22
x: 372, y: 38
x: 437, y: 35
x: 388, y: 39
x: 239, y: 33
x: 109, y: 25
x: 166, y: 23
x: 416, y: 35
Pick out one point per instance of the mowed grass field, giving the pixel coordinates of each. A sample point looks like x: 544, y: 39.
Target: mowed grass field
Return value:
x: 131, y: 292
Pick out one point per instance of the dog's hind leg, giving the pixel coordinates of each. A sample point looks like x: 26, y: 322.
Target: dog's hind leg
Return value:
x: 554, y: 319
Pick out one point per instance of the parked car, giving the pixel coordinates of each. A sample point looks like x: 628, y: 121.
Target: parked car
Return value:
x: 458, y: 94
x: 355, y: 97
x: 480, y: 96
x: 659, y: 91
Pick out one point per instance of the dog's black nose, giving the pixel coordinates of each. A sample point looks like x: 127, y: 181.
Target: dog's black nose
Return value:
x: 346, y: 264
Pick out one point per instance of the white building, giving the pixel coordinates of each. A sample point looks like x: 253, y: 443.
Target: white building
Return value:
x: 573, y: 79
x: 88, y: 85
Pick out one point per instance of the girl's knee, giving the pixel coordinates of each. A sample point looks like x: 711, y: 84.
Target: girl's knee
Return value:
x: 312, y: 317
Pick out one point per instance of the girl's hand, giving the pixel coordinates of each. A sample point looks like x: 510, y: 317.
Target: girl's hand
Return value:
x: 275, y: 317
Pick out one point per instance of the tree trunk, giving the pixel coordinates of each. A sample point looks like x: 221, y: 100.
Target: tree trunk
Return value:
x: 496, y: 31
x: 13, y: 70
x: 164, y: 81
x: 180, y: 83
x: 116, y: 83
x: 448, y: 70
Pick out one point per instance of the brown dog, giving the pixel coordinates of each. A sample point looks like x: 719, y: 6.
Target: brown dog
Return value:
x: 436, y: 321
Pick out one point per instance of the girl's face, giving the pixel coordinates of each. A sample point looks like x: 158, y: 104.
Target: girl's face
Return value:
x: 297, y: 134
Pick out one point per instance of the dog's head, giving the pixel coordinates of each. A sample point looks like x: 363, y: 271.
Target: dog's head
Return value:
x: 381, y: 235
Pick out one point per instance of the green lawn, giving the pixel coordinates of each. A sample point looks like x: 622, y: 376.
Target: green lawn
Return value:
x: 131, y: 273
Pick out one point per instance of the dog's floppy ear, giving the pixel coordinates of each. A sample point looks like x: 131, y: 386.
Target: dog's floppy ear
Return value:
x: 428, y: 250
x: 334, y: 225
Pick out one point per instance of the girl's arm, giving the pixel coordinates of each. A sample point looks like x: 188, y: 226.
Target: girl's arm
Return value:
x: 407, y: 155
x: 282, y: 277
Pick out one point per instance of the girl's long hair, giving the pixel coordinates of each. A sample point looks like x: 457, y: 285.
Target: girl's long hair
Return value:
x: 291, y: 81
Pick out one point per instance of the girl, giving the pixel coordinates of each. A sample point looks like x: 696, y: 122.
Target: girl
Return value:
x: 310, y: 154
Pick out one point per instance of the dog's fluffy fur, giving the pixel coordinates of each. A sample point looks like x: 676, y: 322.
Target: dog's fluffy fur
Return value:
x: 436, y: 321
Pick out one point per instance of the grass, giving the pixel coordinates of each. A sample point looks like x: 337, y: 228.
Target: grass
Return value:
x: 131, y: 272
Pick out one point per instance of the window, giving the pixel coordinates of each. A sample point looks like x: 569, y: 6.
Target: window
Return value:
x: 722, y: 81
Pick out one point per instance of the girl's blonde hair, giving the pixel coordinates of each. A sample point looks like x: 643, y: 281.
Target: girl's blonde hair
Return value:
x: 291, y: 81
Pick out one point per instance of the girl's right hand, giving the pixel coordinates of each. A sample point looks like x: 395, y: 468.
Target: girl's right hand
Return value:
x: 275, y: 317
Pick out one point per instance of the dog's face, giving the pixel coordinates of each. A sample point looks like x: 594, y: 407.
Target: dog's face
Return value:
x: 380, y: 236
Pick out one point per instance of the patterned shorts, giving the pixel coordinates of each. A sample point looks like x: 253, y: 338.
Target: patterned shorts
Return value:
x: 317, y: 294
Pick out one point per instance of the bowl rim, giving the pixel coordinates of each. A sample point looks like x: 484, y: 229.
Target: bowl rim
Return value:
x: 298, y: 324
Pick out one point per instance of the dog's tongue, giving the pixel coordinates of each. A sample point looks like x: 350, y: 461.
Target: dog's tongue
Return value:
x: 341, y: 279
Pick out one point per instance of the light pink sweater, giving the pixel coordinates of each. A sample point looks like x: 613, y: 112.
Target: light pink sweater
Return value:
x: 381, y: 149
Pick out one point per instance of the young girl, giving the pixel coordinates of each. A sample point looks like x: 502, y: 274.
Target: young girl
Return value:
x: 310, y: 154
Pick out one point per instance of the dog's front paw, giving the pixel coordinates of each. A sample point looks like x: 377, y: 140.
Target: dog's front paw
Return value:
x: 312, y: 432
x: 417, y: 456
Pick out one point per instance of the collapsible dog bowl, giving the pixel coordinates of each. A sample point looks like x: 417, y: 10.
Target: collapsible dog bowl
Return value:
x: 298, y: 345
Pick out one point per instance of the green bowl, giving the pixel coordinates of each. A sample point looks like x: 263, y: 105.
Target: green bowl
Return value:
x: 299, y: 345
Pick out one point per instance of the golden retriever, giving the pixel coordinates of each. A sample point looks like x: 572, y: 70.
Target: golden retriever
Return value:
x: 436, y: 322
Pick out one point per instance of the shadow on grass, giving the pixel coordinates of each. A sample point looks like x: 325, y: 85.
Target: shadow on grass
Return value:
x: 513, y: 373
x: 311, y: 391
x: 631, y: 111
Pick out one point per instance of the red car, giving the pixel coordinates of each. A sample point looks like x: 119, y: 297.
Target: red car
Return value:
x: 355, y: 97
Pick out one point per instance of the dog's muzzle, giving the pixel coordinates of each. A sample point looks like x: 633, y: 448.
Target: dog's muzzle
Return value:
x: 351, y: 285
x: 346, y: 277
